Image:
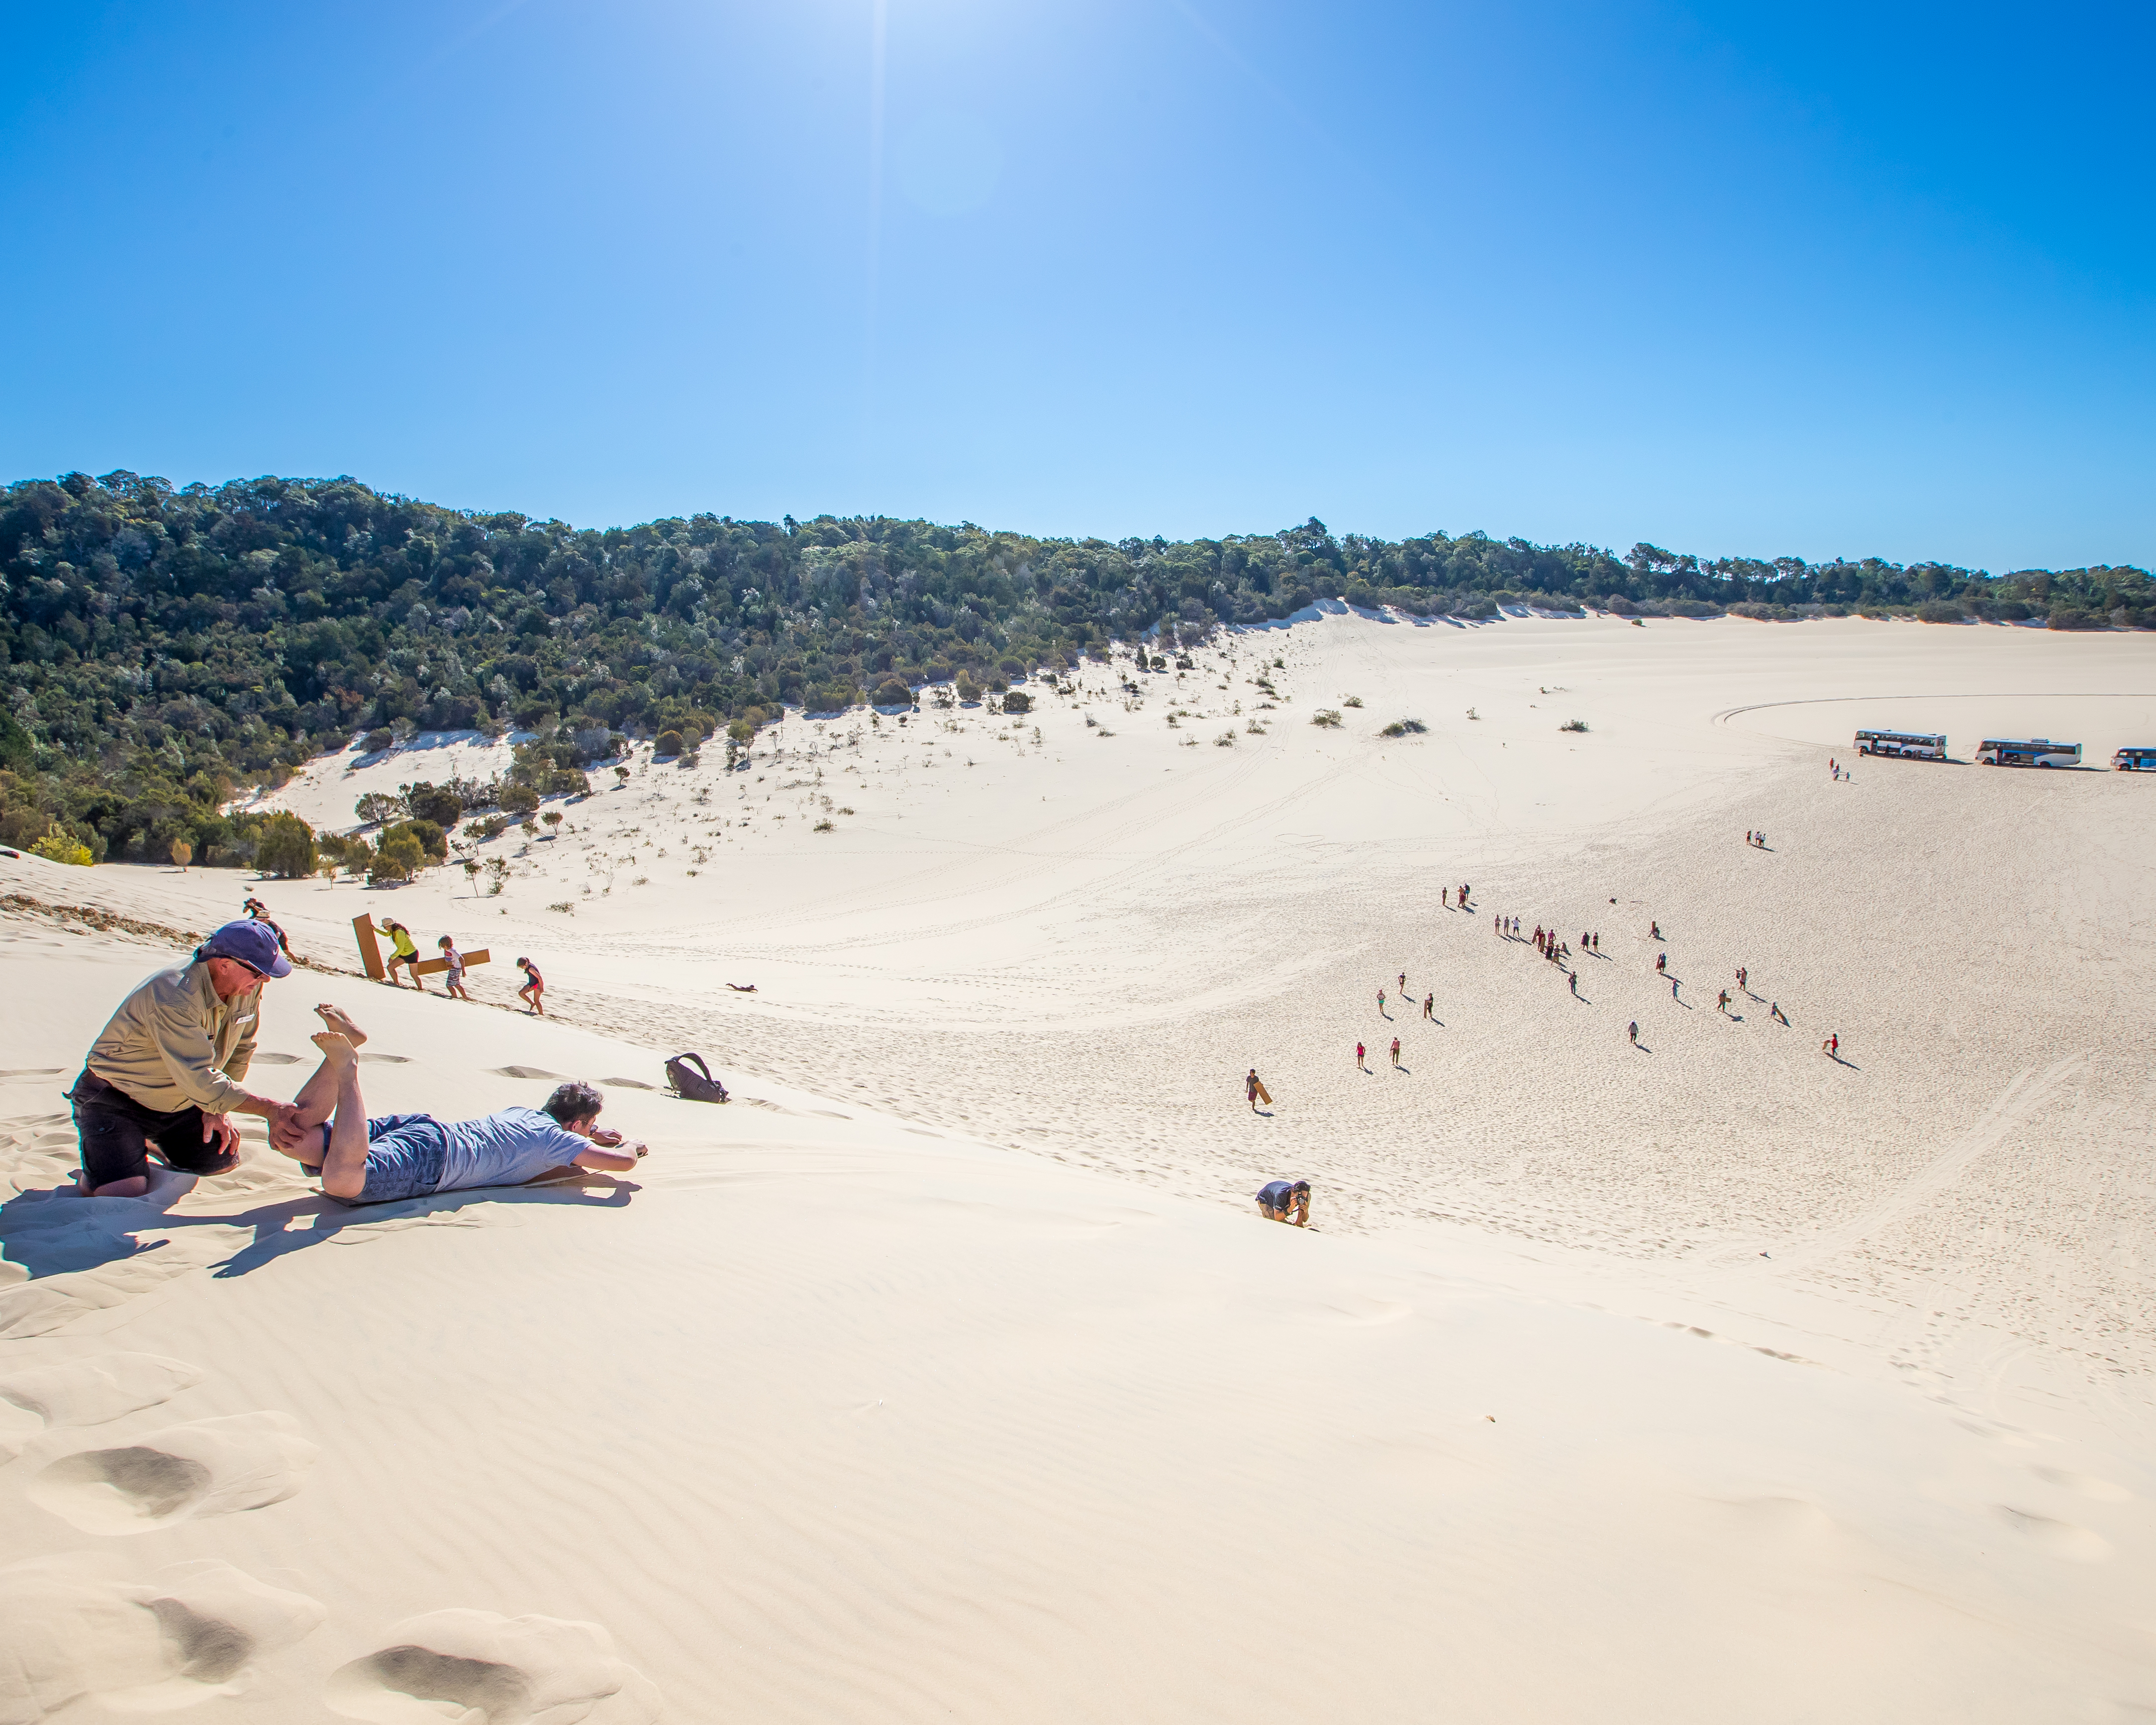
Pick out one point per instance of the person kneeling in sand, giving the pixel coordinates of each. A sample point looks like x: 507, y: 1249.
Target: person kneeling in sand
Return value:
x: 1285, y: 1201
x: 399, y: 1156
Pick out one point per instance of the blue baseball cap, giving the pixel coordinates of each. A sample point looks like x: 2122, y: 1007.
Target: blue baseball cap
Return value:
x: 252, y: 943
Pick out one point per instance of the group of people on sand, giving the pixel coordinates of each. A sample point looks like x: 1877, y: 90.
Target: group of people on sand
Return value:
x: 167, y: 1074
x: 404, y: 955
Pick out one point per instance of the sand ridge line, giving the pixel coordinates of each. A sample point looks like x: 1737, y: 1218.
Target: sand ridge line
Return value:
x: 90, y: 919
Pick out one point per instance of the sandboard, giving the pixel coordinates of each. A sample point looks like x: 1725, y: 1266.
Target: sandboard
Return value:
x: 370, y: 949
x: 435, y: 967
x: 1265, y: 1095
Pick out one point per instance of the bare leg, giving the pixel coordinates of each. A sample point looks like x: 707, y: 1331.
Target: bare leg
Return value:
x: 344, y: 1164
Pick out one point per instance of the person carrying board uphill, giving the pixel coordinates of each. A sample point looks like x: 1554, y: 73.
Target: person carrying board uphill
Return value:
x: 1254, y: 1088
x: 165, y: 1069
x: 405, y: 950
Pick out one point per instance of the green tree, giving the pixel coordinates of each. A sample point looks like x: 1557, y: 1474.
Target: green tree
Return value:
x: 17, y: 753
x: 59, y: 847
x: 286, y: 847
x: 399, y: 858
x: 436, y: 803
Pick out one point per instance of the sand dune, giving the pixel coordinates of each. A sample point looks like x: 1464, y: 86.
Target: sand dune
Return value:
x: 949, y: 1374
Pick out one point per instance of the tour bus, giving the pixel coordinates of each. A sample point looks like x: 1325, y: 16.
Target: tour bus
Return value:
x: 2132, y: 760
x: 2030, y: 752
x: 1909, y: 745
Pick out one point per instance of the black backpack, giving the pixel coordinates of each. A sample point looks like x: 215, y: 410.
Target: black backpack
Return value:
x: 696, y: 1086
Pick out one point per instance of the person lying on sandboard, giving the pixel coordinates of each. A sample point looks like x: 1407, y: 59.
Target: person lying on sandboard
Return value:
x: 390, y: 1156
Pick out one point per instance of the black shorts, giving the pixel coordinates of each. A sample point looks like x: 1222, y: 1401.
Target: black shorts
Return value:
x: 116, y: 1132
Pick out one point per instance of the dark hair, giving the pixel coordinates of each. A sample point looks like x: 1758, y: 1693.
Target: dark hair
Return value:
x: 1301, y: 1186
x: 574, y: 1101
x: 524, y: 960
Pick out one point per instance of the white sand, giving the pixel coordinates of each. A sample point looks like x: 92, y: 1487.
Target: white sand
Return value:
x: 949, y: 1374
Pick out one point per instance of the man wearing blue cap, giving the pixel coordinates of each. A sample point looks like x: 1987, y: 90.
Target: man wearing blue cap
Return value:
x: 167, y: 1069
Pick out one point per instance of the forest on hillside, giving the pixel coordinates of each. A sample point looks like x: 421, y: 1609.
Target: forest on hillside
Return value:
x: 163, y: 647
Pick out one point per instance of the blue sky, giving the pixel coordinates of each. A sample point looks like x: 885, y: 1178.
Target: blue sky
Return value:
x: 1755, y: 279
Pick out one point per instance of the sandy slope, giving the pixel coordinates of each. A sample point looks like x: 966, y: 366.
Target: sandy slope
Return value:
x: 1713, y: 1381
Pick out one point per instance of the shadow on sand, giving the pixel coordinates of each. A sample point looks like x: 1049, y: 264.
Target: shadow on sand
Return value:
x: 52, y: 1231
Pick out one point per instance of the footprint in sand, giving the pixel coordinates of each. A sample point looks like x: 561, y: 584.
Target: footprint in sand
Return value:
x: 2061, y: 1539
x: 2087, y: 1483
x: 526, y: 1072
x: 30, y: 1072
x: 263, y: 1057
x: 387, y: 1059
x: 490, y: 1670
x: 626, y: 1084
x: 207, y: 1467
x: 84, y: 1625
x: 85, y: 1392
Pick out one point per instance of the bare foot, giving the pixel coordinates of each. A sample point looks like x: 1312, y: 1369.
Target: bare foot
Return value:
x: 340, y: 1021
x: 336, y: 1051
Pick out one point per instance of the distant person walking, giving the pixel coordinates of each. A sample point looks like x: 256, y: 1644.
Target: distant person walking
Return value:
x: 1632, y: 1030
x: 454, y: 983
x: 260, y: 913
x: 1429, y: 1006
x: 534, y: 985
x: 1653, y: 931
x: 1661, y: 963
x: 1573, y: 976
x: 1721, y: 1002
x: 1594, y: 946
x: 1396, y: 1053
x: 1831, y: 1048
x: 1254, y: 1089
x: 1404, y: 985
x: 1774, y: 1011
x: 1381, y: 1002
x: 1741, y: 978
x: 406, y: 952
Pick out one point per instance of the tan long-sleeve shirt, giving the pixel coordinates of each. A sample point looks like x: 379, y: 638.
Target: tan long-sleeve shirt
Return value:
x: 173, y: 1043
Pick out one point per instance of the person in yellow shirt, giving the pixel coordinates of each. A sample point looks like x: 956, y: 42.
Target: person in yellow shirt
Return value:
x: 407, y: 951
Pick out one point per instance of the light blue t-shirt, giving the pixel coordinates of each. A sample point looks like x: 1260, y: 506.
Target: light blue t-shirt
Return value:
x: 506, y: 1148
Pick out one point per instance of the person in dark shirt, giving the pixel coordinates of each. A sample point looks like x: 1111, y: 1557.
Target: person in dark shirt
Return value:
x: 1285, y: 1201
